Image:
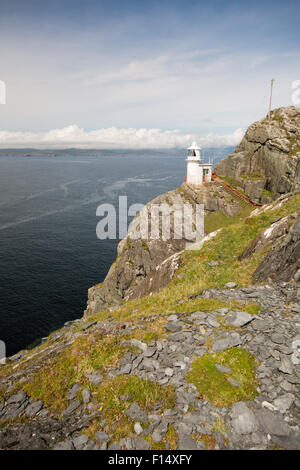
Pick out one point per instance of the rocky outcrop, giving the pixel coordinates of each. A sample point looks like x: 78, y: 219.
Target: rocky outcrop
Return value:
x: 282, y: 263
x: 266, y: 163
x: 145, y: 265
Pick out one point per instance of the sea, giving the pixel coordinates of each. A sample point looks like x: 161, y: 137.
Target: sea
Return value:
x: 50, y: 253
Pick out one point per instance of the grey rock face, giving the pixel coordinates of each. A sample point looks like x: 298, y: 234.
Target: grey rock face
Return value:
x: 86, y: 395
x: 136, y: 413
x: 269, y: 154
x: 223, y: 369
x: 185, y: 442
x: 286, y: 366
x: 233, y: 339
x: 243, y: 419
x: 281, y: 262
x: 284, y: 402
x: 80, y: 441
x: 65, y: 445
x: 74, y: 405
x: 272, y: 423
x: 33, y: 408
x: 73, y: 391
x: 19, y: 397
x: 239, y: 318
x: 95, y: 378
x: 101, y: 436
x: 141, y: 444
x: 230, y: 285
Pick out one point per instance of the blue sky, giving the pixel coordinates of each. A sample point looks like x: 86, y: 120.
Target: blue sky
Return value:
x: 82, y: 70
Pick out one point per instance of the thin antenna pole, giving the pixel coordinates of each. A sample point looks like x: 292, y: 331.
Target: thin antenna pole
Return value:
x: 270, y: 105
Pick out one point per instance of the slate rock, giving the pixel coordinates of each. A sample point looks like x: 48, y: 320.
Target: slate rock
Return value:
x: 156, y: 436
x: 138, y: 429
x: 232, y: 340
x: 185, y: 442
x: 126, y: 369
x: 95, y: 377
x: 64, y: 445
x: 101, y: 436
x: 277, y: 338
x: 239, y: 318
x: 136, y: 413
x: 284, y: 402
x: 260, y: 325
x: 291, y: 442
x: 74, y: 405
x: 172, y: 318
x: 223, y: 369
x: 73, y: 391
x: 80, y: 441
x: 149, y: 352
x: 138, y: 344
x: 173, y: 327
x: 33, y: 408
x: 243, y: 419
x: 230, y: 285
x: 233, y: 382
x: 17, y: 397
x: 114, y: 446
x: 286, y: 366
x: 272, y: 423
x: 141, y: 444
x: 214, y: 323
x: 86, y: 395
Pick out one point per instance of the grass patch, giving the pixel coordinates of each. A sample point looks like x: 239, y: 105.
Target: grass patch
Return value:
x: 252, y: 176
x: 231, y: 181
x: 218, y: 219
x: 214, y: 386
x: 144, y: 392
x: 151, y: 331
x: 266, y: 193
x: 219, y: 426
x: 93, y: 352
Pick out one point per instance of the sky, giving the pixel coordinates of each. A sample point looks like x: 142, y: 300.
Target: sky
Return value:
x: 135, y: 74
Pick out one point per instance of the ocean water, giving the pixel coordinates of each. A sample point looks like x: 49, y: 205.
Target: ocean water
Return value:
x: 50, y: 254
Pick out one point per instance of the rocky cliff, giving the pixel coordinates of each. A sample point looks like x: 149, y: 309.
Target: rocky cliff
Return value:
x: 147, y: 265
x: 266, y: 163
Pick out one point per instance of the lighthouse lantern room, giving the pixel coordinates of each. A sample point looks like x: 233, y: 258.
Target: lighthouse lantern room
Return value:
x: 198, y: 173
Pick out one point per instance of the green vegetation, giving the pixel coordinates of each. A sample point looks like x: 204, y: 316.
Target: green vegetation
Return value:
x: 266, y: 193
x: 231, y: 181
x: 218, y: 219
x: 145, y: 393
x: 151, y: 331
x: 214, y: 385
x: 252, y: 176
x: 294, y: 146
x: 52, y: 381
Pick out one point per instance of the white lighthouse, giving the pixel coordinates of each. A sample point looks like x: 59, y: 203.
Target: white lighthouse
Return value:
x: 198, y: 173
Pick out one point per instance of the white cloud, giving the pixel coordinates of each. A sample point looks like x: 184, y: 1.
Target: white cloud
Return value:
x: 74, y: 136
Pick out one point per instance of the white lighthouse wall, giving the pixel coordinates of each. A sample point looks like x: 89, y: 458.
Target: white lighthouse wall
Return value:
x: 194, y: 173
